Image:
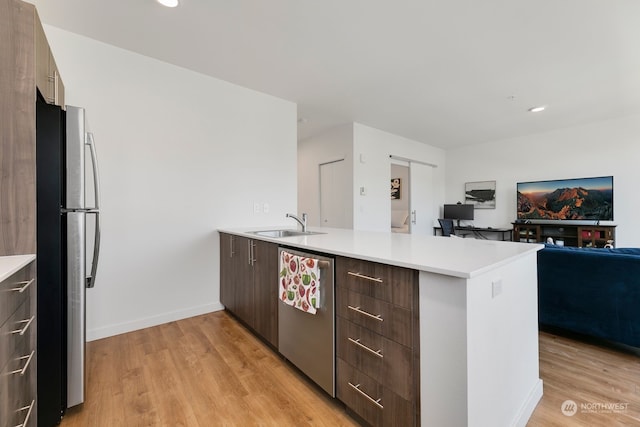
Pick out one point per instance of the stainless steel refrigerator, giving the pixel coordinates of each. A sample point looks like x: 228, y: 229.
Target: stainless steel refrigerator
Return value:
x: 68, y: 244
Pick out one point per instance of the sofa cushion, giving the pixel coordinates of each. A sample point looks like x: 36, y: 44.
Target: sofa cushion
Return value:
x: 603, y: 251
x: 593, y: 291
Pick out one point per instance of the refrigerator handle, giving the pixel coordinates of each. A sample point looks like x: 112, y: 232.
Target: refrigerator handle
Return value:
x: 94, y: 160
x: 91, y: 279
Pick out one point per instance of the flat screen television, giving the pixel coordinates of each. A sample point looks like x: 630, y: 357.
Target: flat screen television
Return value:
x: 585, y: 199
x: 458, y: 212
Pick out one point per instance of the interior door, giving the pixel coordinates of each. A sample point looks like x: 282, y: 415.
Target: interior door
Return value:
x: 421, y: 215
x: 334, y: 195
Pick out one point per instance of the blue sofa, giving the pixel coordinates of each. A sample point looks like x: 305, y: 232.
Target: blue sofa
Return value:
x: 592, y: 291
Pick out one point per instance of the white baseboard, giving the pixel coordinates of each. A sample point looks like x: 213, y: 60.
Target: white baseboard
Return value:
x: 134, y: 325
x: 529, y: 405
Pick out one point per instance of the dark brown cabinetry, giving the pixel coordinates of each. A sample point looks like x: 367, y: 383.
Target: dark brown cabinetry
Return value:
x: 23, y: 49
x: 249, y: 283
x: 571, y: 235
x: 48, y: 78
x: 18, y: 348
x: 377, y: 342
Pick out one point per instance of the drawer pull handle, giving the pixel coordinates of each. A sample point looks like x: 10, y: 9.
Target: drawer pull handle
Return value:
x: 26, y: 365
x: 371, y: 399
x: 25, y: 327
x: 26, y: 419
x: 370, y: 350
x: 362, y: 276
x: 25, y: 284
x: 373, y: 316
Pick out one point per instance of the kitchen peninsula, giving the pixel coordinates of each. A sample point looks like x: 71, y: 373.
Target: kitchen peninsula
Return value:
x: 477, y: 343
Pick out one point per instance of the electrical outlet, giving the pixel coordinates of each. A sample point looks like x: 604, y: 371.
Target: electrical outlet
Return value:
x: 256, y: 208
x: 265, y: 208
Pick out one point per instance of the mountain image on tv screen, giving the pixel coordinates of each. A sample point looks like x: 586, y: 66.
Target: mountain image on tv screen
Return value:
x: 569, y: 199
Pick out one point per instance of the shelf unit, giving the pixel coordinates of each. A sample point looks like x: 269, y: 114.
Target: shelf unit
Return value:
x: 572, y: 235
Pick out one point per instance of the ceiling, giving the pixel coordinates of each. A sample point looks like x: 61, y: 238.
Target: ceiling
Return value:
x: 444, y: 72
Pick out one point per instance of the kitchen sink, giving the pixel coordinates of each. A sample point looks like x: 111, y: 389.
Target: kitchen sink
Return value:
x: 284, y: 233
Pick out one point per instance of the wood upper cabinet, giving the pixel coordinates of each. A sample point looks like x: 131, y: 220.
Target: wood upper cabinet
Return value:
x: 48, y: 79
x: 377, y: 341
x: 17, y: 128
x: 249, y: 283
x: 26, y: 62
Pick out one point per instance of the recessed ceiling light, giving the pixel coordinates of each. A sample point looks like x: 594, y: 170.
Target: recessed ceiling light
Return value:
x: 537, y: 109
x: 168, y: 3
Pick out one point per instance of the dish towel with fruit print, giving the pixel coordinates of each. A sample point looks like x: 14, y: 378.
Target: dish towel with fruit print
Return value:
x: 299, y: 282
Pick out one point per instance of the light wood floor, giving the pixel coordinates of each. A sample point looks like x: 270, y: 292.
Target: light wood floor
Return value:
x: 209, y: 371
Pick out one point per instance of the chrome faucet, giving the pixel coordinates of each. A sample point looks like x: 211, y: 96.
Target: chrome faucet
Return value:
x: 302, y: 222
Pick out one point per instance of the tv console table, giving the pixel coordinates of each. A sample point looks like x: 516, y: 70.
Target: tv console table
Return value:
x: 505, y: 234
x: 572, y: 235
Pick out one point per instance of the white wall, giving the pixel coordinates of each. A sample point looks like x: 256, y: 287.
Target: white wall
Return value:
x: 180, y: 155
x: 604, y: 148
x: 371, y: 151
x: 330, y: 146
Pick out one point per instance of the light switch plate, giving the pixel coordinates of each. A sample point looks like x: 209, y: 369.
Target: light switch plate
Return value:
x: 496, y: 288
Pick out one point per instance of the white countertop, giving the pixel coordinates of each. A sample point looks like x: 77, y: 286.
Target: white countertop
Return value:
x: 11, y: 264
x: 457, y: 257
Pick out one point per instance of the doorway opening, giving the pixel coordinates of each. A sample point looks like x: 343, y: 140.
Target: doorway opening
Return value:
x: 415, y: 199
x: 400, y: 196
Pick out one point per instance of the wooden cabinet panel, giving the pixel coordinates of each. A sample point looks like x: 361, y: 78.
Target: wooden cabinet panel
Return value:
x: 377, y: 341
x: 17, y: 129
x: 385, y: 282
x: 249, y: 283
x: 17, y: 396
x: 227, y: 293
x: 371, y: 400
x: 243, y: 280
x: 376, y: 356
x: 265, y: 276
x: 48, y: 78
x: 377, y: 315
x: 11, y: 339
x: 17, y: 347
x: 15, y: 290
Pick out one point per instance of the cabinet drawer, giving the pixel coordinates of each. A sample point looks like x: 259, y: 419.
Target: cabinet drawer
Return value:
x: 15, y: 290
x: 376, y: 356
x: 375, y: 403
x: 16, y: 331
x: 380, y: 316
x: 385, y: 282
x: 16, y: 395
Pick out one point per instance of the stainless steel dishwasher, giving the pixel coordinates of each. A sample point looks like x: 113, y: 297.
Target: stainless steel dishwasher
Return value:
x: 308, y: 340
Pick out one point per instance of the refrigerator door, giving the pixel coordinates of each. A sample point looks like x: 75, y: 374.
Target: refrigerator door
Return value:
x: 76, y: 335
x: 75, y: 158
